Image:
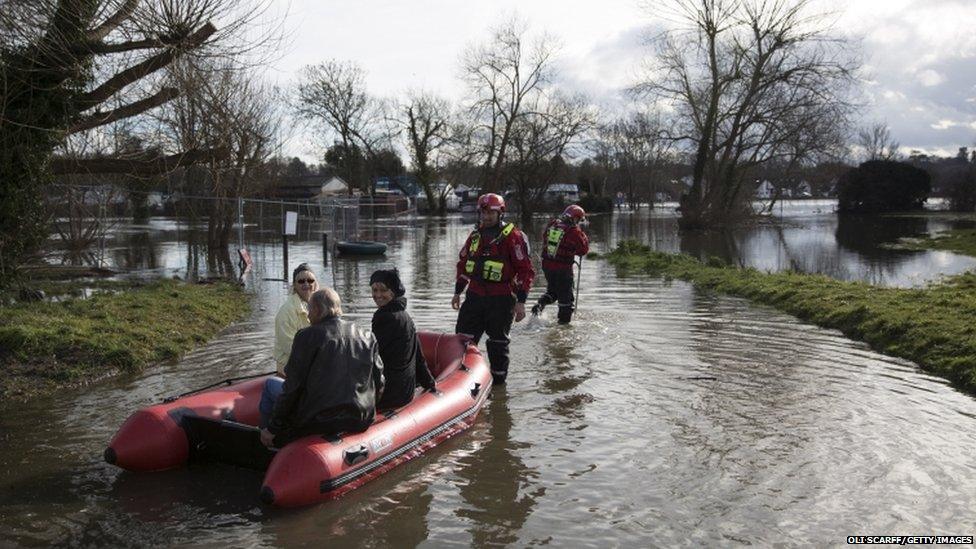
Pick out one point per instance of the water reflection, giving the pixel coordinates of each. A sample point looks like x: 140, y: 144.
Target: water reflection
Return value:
x: 496, y: 491
x: 138, y: 250
x: 866, y: 235
x: 705, y: 245
x: 385, y: 513
x: 806, y: 236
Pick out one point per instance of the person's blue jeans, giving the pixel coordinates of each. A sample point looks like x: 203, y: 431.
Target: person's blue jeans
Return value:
x: 269, y: 395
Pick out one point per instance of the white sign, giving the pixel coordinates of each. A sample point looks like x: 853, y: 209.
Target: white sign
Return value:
x: 291, y: 223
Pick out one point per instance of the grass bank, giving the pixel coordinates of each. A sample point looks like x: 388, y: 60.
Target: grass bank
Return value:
x: 934, y: 327
x: 960, y: 241
x: 47, y: 345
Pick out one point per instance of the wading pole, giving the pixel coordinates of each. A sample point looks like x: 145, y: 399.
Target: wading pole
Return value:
x: 579, y: 274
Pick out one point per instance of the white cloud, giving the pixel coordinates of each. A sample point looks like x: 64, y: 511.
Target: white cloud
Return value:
x: 919, y: 55
x: 930, y: 78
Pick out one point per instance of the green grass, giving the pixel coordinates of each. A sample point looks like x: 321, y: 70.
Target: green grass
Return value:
x: 935, y: 327
x: 64, y: 289
x: 962, y: 241
x: 46, y: 345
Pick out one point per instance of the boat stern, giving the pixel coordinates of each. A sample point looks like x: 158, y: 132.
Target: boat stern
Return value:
x: 150, y: 440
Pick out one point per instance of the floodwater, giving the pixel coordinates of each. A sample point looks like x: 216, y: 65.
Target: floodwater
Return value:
x: 662, y: 415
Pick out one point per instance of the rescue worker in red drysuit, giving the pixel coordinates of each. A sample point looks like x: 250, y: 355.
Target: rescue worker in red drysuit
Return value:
x: 562, y: 241
x: 495, y: 267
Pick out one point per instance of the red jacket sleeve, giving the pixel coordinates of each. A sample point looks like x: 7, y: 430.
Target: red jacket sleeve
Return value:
x: 522, y: 263
x: 461, y: 278
x: 462, y: 259
x: 582, y: 242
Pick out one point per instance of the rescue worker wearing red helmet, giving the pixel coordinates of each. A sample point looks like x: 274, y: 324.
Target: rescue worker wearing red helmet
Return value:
x: 495, y: 267
x: 562, y: 241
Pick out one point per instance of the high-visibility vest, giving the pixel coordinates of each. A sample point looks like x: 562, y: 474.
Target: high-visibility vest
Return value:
x: 554, y: 238
x: 492, y: 265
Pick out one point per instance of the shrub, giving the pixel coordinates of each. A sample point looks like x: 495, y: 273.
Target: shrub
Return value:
x: 962, y: 192
x: 596, y: 204
x: 879, y: 186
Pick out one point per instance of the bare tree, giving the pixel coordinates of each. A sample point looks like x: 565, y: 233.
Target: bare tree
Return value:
x: 461, y: 153
x: 541, y: 141
x: 635, y: 149
x: 236, y: 112
x: 503, y: 75
x: 427, y: 121
x: 816, y: 141
x: 63, y: 61
x: 876, y: 143
x: 333, y: 94
x: 752, y: 78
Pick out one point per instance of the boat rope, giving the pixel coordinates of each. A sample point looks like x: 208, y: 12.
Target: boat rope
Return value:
x: 437, y: 348
x: 228, y: 381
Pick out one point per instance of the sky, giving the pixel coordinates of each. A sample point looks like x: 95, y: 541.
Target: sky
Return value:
x: 919, y: 56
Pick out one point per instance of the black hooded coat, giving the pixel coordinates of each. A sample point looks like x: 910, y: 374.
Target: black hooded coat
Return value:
x: 404, y: 366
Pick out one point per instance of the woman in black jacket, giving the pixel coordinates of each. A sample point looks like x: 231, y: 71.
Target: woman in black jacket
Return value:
x: 403, y: 364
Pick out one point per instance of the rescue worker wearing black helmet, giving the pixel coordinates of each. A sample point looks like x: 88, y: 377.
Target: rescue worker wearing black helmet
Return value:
x: 495, y: 268
x: 562, y: 241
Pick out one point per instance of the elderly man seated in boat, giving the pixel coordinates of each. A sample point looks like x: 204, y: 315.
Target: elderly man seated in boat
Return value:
x: 333, y: 378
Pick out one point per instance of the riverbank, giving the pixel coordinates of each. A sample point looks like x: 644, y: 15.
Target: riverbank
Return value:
x: 960, y: 241
x: 48, y: 345
x: 935, y: 327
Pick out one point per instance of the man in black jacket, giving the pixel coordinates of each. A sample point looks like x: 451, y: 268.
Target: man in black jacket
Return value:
x: 333, y: 378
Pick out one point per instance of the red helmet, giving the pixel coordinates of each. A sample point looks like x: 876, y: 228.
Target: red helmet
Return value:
x: 491, y: 201
x: 574, y: 212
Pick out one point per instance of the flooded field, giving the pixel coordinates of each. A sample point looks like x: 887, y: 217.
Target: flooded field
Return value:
x: 662, y: 414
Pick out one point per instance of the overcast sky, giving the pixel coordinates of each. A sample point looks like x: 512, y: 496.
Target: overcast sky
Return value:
x: 919, y: 55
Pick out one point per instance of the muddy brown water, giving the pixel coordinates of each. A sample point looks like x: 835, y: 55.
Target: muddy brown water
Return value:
x: 662, y: 415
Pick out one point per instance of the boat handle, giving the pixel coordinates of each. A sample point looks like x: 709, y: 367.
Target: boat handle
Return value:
x: 356, y: 455
x: 475, y: 389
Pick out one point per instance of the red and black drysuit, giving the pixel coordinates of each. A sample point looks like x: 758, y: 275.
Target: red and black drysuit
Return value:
x: 495, y: 267
x: 561, y: 243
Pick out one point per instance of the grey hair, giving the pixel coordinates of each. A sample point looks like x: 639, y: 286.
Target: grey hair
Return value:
x: 327, y: 302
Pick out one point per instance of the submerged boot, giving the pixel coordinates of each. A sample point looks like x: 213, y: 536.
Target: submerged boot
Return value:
x: 536, y: 309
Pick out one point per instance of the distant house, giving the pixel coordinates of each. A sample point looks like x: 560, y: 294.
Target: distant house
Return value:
x: 463, y: 191
x: 562, y: 193
x: 105, y: 195
x: 155, y: 201
x: 404, y: 185
x: 765, y: 190
x: 442, y: 188
x: 298, y: 187
x: 334, y: 186
x: 803, y: 190
x: 309, y: 187
x: 468, y: 197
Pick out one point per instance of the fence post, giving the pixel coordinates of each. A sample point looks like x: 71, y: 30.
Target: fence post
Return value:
x: 284, y: 241
x: 240, y: 223
x: 325, y: 248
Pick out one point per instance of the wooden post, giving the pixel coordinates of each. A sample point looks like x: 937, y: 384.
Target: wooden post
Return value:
x: 325, y: 249
x: 284, y: 241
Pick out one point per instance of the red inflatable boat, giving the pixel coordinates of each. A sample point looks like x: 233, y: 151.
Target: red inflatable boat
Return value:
x: 221, y: 424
